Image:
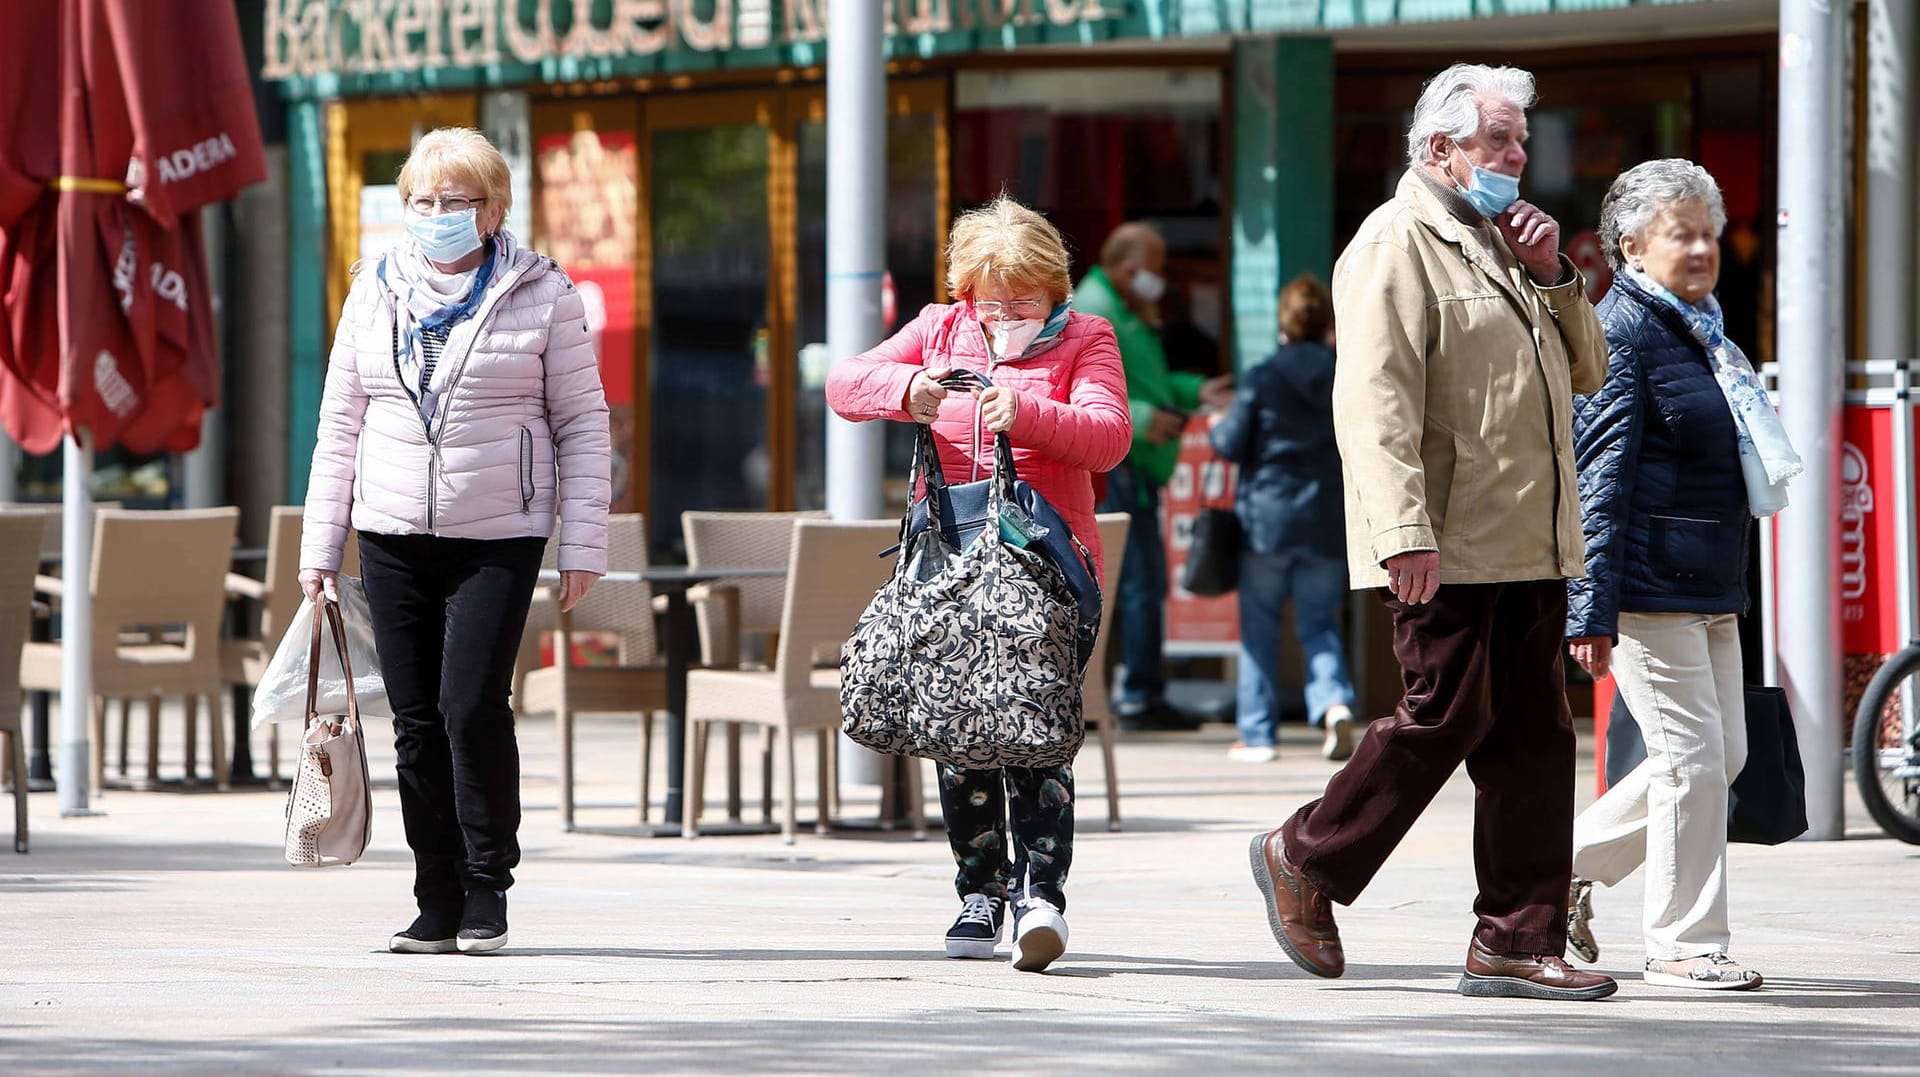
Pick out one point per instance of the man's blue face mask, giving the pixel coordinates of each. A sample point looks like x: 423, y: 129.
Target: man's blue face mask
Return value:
x: 1492, y: 192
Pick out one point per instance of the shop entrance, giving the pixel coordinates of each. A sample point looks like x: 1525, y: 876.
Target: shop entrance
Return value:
x: 696, y: 227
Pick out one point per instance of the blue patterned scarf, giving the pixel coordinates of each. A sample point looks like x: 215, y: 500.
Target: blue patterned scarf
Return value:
x: 1767, y: 458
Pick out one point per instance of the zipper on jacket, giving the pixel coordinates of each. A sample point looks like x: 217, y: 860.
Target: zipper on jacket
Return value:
x: 526, y: 471
x: 507, y: 284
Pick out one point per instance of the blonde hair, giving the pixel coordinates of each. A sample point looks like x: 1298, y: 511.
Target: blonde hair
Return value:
x: 460, y: 155
x: 1005, y: 243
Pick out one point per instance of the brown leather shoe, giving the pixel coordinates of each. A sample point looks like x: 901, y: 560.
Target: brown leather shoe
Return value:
x: 1300, y: 916
x: 1547, y: 976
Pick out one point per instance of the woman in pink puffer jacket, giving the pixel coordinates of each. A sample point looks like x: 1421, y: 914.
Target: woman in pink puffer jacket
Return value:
x: 1060, y: 394
x: 463, y: 412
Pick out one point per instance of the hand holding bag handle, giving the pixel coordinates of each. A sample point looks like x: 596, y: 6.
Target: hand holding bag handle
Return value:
x: 331, y: 611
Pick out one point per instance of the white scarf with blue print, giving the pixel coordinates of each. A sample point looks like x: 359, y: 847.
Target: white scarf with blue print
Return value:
x: 1767, y: 458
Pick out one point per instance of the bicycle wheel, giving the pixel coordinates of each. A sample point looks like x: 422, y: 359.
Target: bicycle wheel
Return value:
x: 1886, y: 761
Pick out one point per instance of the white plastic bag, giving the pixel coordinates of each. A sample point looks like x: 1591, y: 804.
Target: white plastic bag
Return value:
x: 282, y: 692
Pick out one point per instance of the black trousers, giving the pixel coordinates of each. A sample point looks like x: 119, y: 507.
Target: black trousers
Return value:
x: 1483, y: 668
x: 978, y: 805
x: 447, y: 619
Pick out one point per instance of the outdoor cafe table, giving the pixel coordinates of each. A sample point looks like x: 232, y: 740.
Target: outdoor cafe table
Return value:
x: 674, y: 581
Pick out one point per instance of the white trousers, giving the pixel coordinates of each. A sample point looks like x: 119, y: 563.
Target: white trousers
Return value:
x: 1680, y: 675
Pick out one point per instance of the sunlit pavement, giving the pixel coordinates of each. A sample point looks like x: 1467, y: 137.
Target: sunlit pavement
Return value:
x: 168, y: 935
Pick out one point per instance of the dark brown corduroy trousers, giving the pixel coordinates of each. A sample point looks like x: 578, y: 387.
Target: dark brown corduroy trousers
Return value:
x: 1484, y: 686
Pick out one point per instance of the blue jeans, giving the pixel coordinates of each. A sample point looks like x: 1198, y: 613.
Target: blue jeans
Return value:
x: 1317, y: 586
x: 1140, y: 616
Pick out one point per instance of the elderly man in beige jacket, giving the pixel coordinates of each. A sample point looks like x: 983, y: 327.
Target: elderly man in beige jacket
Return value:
x: 1464, y: 333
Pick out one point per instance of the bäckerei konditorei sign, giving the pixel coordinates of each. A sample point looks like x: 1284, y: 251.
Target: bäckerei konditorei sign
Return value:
x: 306, y: 38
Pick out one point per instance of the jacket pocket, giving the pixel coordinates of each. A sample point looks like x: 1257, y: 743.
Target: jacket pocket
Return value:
x: 360, y: 467
x: 1693, y: 554
x: 526, y: 470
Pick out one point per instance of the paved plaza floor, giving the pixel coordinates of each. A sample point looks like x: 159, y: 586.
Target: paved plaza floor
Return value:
x: 168, y: 936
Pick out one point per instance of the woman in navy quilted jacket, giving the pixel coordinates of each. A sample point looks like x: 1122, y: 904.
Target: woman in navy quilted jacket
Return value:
x: 1678, y: 452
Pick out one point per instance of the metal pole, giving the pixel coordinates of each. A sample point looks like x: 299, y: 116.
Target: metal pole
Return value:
x: 856, y: 240
x: 9, y: 469
x: 1893, y: 28
x: 203, y: 470
x: 1808, y: 301
x: 76, y: 623
x: 856, y: 259
x: 1906, y: 526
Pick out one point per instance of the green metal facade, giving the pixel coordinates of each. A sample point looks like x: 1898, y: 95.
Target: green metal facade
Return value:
x: 350, y: 48
x: 1281, y: 72
x: 1282, y: 180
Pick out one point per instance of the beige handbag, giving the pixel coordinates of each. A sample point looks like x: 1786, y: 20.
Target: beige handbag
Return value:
x: 330, y: 809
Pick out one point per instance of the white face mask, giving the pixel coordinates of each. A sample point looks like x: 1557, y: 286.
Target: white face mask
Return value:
x: 1011, y: 339
x: 1148, y: 286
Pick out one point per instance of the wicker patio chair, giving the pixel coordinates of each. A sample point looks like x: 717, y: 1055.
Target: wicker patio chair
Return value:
x: 832, y: 573
x: 20, y: 547
x: 158, y: 587
x: 636, y: 684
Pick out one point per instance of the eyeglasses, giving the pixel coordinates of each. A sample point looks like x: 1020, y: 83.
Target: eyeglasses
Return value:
x: 1025, y: 308
x: 424, y: 204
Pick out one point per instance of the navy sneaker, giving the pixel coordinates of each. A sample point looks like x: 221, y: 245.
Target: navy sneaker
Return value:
x: 483, y: 923
x: 977, y: 930
x: 430, y: 933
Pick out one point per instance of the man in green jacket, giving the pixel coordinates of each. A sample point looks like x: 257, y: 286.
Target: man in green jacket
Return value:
x: 1124, y: 289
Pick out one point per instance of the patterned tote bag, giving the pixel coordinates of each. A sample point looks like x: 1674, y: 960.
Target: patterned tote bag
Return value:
x: 969, y: 656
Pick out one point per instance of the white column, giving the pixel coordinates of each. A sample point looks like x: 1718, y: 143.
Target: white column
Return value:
x: 856, y: 240
x: 1811, y: 291
x: 856, y: 259
x: 74, y: 768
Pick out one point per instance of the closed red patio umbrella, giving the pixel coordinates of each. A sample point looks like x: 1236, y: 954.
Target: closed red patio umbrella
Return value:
x: 101, y: 260
x: 121, y: 119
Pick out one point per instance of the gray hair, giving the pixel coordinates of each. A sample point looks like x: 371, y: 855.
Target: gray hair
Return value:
x: 1450, y: 103
x: 1639, y: 194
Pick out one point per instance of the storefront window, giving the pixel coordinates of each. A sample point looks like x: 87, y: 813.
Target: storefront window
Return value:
x: 1093, y: 148
x: 1590, y: 127
x: 912, y: 188
x: 709, y: 374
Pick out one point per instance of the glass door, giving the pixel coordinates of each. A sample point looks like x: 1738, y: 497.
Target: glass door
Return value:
x: 916, y: 239
x: 709, y: 343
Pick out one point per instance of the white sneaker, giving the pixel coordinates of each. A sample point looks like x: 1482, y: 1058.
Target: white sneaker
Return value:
x: 977, y: 930
x: 1039, y: 934
x: 1246, y: 753
x: 1342, y: 732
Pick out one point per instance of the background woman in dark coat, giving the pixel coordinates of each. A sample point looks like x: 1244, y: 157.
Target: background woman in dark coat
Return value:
x: 1678, y: 451
x: 1280, y: 432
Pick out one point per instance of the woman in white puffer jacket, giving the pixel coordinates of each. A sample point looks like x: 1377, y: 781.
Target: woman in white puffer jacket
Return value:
x: 463, y: 412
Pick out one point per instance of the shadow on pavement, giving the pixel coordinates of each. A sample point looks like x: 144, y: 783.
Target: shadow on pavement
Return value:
x: 1573, y: 1039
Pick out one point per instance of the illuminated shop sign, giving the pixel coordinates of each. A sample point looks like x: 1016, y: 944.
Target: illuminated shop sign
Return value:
x: 304, y: 38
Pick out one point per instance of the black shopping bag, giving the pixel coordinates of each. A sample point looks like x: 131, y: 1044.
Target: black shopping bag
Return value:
x: 1213, y: 560
x: 1767, y: 803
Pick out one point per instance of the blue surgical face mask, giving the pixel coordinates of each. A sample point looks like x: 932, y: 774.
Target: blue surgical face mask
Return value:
x: 447, y: 237
x: 1492, y: 192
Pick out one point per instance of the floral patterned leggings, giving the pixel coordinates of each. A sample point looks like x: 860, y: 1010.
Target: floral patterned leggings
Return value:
x: 976, y: 803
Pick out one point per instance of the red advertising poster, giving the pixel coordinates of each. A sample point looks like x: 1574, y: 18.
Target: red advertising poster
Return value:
x: 589, y: 201
x: 1196, y: 625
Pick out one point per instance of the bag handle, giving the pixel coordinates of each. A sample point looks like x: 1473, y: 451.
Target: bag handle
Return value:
x: 331, y: 611
x: 926, y: 455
